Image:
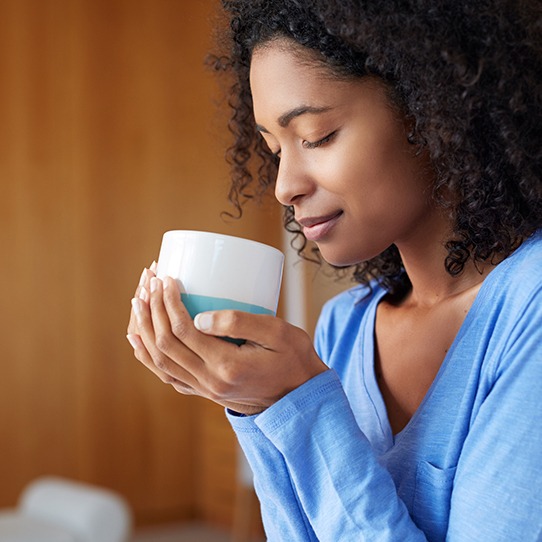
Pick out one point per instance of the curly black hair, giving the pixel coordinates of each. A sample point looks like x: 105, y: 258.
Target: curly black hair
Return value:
x: 468, y: 75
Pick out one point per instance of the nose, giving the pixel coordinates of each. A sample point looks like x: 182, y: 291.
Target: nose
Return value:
x: 293, y: 180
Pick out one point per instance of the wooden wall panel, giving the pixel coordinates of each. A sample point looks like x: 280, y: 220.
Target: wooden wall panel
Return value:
x: 108, y: 137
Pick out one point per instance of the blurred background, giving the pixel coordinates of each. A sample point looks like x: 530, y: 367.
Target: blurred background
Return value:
x: 112, y: 132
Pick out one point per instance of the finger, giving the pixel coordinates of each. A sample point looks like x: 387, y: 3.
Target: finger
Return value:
x: 220, y: 366
x: 183, y: 328
x: 144, y: 280
x: 142, y: 355
x: 185, y: 389
x: 179, y: 340
x: 132, y: 326
x: 159, y: 359
x: 166, y: 340
x: 141, y: 292
x: 204, y: 360
x: 262, y: 329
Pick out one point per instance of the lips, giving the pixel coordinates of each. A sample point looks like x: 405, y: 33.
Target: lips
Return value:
x: 317, y: 227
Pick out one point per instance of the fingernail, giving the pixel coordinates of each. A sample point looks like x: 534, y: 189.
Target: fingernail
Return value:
x: 153, y: 267
x: 203, y: 321
x: 154, y: 284
x: 132, y: 340
x: 136, y: 305
x: 143, y: 277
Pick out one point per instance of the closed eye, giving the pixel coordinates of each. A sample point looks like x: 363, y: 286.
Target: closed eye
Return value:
x: 320, y: 142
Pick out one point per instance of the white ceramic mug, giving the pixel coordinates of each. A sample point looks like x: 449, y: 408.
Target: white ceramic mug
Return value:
x: 216, y: 271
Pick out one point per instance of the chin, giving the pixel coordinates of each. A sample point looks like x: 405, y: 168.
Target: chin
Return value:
x: 338, y: 258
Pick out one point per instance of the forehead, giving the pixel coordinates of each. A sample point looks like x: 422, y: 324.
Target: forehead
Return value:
x: 285, y: 76
x: 283, y: 73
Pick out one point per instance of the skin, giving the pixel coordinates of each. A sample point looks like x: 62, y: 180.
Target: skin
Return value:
x: 362, y: 166
x: 276, y: 358
x: 346, y: 165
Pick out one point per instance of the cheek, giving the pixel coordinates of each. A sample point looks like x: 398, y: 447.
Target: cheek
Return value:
x: 389, y: 176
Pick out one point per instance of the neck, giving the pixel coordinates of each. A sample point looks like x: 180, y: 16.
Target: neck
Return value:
x: 423, y: 258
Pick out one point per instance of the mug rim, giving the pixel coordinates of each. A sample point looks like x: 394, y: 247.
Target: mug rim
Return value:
x: 197, y: 233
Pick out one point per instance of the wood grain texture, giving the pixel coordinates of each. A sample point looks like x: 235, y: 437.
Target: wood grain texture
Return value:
x: 108, y: 138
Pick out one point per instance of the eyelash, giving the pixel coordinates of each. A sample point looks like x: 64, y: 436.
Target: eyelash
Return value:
x: 313, y: 145
x: 320, y: 142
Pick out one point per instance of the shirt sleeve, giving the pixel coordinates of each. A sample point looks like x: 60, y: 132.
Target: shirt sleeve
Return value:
x: 318, y: 478
x: 342, y: 489
x: 282, y: 514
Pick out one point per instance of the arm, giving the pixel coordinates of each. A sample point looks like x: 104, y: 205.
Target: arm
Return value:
x: 343, y: 490
x: 276, y: 359
x: 496, y: 488
x: 327, y: 471
x: 282, y: 515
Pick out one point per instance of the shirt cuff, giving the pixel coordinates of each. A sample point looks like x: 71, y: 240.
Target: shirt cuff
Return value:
x: 298, y: 400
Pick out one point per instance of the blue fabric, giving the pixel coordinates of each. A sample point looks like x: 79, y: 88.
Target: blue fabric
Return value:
x: 467, y: 467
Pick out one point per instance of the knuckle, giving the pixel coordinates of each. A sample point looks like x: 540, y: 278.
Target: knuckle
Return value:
x: 229, y: 374
x: 161, y: 364
x: 183, y: 388
x: 180, y: 329
x: 225, y: 380
x: 280, y: 331
x: 294, y: 333
x: 132, y: 328
x: 218, y: 389
x: 168, y: 379
x: 230, y: 319
x: 138, y: 356
x: 164, y: 342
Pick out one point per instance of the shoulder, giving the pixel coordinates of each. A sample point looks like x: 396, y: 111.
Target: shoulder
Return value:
x: 511, y: 295
x: 519, y: 277
x: 528, y: 254
x: 509, y: 316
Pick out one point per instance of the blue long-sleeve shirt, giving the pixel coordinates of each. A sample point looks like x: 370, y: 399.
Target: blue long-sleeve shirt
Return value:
x: 468, y: 465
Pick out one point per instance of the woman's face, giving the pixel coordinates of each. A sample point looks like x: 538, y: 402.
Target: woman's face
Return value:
x: 346, y: 166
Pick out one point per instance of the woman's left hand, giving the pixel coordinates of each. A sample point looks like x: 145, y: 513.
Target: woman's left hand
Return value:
x: 275, y: 359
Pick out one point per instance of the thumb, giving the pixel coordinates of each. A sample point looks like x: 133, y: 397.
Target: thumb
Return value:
x: 263, y: 329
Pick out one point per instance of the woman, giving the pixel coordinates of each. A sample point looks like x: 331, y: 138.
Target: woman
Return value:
x: 403, y: 139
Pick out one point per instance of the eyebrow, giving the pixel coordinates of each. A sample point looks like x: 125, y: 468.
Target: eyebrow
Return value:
x: 287, y: 117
